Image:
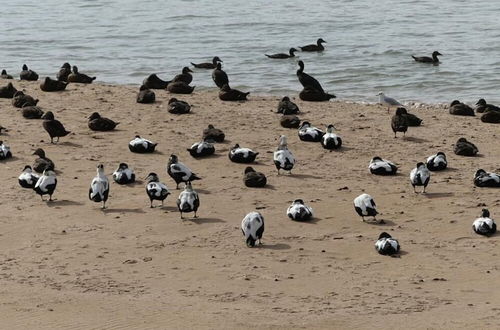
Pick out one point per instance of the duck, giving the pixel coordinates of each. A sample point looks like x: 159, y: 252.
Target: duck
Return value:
x: 20, y: 99
x: 388, y: 101
x: 145, y: 95
x: 298, y: 211
x: 46, y: 184
x: 212, y: 133
x: 178, y: 107
x: 28, y: 179
x: 180, y: 87
x: 308, y: 81
x: 180, y: 172
x: 5, y: 75
x: 98, y: 123
x: 291, y: 53
x: 154, y: 82
x: 287, y: 107
x: 77, y: 77
x: 27, y: 74
x: 123, y: 174
x: 64, y: 72
x: 365, y: 206
x: 437, y: 162
x: 482, y: 106
x: 484, y: 225
x: 491, y: 116
x: 219, y: 76
x: 206, y: 65
x: 460, y: 109
x: 379, y: 166
x: 330, y: 140
x: 411, y: 119
x: 254, y: 179
x: 188, y: 201
x: 141, y: 145
x: 309, y: 133
x: 386, y: 245
x: 318, y: 47
x: 426, y: 59
x: 227, y: 93
x: 290, y: 121
x: 31, y: 111
x: 8, y: 91
x: 42, y: 163
x: 239, y: 154
x: 420, y: 176
x: 252, y: 227
x: 201, y: 149
x: 99, y: 187
x: 156, y: 190
x: 312, y: 95
x: 399, y: 123
x: 486, y: 179
x: 283, y: 158
x: 5, y: 152
x: 51, y: 85
x: 54, y: 127
x: 465, y: 148
x: 185, y: 76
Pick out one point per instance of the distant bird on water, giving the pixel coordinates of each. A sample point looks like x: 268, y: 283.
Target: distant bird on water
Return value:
x: 207, y: 65
x: 426, y: 59
x: 99, y: 187
x: 318, y: 47
x: 291, y: 53
x: 54, y: 127
x: 388, y: 101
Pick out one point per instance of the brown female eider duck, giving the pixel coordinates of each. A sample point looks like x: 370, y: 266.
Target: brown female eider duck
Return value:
x: 7, y: 92
x: 42, y: 163
x: 212, y: 65
x: 31, y: 111
x: 491, y: 116
x: 314, y: 48
x: 212, y: 133
x: 287, y: 107
x: 102, y: 124
x: 226, y: 93
x: 185, y: 76
x: 5, y: 75
x: 20, y: 99
x: 77, y: 77
x: 154, y: 82
x: 254, y: 179
x: 465, y: 148
x: 64, y: 72
x: 283, y: 55
x: 426, y: 59
x: 51, y: 85
x: 54, y: 127
x: 178, y: 107
x: 482, y: 106
x: 180, y: 87
x: 460, y: 109
x: 290, y: 121
x: 27, y: 74
x: 145, y: 95
x: 219, y: 76
x: 399, y: 122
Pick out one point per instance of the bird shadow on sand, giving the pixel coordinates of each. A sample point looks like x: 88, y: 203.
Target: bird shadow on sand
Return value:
x: 277, y: 246
x: 380, y: 222
x: 201, y: 220
x: 166, y: 208
x: 342, y: 149
x: 304, y: 176
x: 69, y: 144
x: 203, y: 191
x: 399, y: 254
x: 10, y: 159
x: 438, y: 194
x: 311, y: 221
x: 213, y: 156
x: 414, y: 139
x: 122, y: 210
x: 62, y: 202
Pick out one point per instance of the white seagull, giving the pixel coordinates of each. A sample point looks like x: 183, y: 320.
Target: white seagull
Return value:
x: 388, y: 101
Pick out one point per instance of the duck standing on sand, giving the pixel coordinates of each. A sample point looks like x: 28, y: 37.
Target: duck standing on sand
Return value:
x: 154, y: 82
x: 239, y: 154
x: 330, y: 140
x: 287, y: 107
x: 399, y: 123
x: 27, y: 74
x: 8, y: 91
x: 77, y: 77
x: 254, y: 179
x: 298, y: 211
x: 156, y: 190
x: 420, y: 176
x: 426, y: 59
x: 484, y: 225
x: 5, y: 152
x: 379, y: 166
x: 486, y: 179
x: 98, y: 123
x: 219, y: 76
x: 180, y: 172
x: 252, y: 227
x: 465, y: 148
x: 201, y: 149
x: 460, y: 109
x: 5, y: 75
x: 46, y: 184
x: 54, y: 127
x: 291, y: 53
x: 188, y: 201
x: 283, y: 158
x: 318, y: 47
x: 51, y: 85
x: 178, y: 107
x: 386, y: 245
x: 411, y: 119
x: 28, y: 179
x: 309, y: 133
x: 365, y: 206
x: 212, y: 133
x: 141, y: 145
x: 227, y: 93
x: 42, y: 163
x: 437, y: 162
x: 64, y: 72
x: 145, y: 95
x: 99, y: 187
x: 123, y: 174
x: 207, y: 65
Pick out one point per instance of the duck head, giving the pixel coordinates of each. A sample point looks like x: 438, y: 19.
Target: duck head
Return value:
x: 48, y: 115
x: 485, y: 213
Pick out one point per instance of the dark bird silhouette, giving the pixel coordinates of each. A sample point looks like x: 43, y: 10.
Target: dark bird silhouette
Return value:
x: 53, y: 127
x: 426, y: 59
x: 460, y: 109
x: 31, y: 112
x: 465, y: 148
x: 154, y: 82
x: 27, y: 74
x: 64, y: 72
x: 482, y: 106
x: 180, y: 87
x: 399, y: 122
x: 291, y: 53
x: 308, y: 81
x: 5, y: 75
x: 20, y: 99
x: 77, y: 77
x: 145, y: 95
x: 178, y: 107
x: 206, y: 65
x: 42, y: 163
x: 7, y: 92
x: 185, y: 76
x: 51, y: 85
x: 212, y: 133
x: 98, y: 123
x: 287, y: 107
x: 318, y: 47
x: 254, y: 179
x: 219, y: 76
x: 226, y: 93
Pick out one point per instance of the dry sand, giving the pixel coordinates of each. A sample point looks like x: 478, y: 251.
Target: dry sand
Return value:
x: 68, y: 264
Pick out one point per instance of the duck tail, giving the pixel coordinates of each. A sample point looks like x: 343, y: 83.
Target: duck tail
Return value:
x: 93, y: 78
x: 414, y: 57
x: 193, y: 64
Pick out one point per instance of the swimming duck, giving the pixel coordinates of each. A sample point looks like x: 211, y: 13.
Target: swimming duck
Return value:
x: 365, y: 206
x: 379, y: 166
x: 290, y: 121
x: 5, y: 152
x: 145, y: 95
x: 486, y: 179
x: 77, y: 77
x: 482, y: 106
x: 201, y: 149
x: 226, y: 93
x: 252, y: 227
x: 212, y: 65
x: 212, y: 133
x: 156, y: 190
x: 287, y: 107
x: 219, y: 76
x: 123, y: 174
x: 31, y: 112
x: 399, y: 123
x: 141, y: 145
x: 420, y: 176
x: 185, y: 76
x: 20, y: 99
x: 298, y: 211
x: 178, y: 107
x: 42, y: 163
x: 5, y: 75
x: 437, y: 162
x: 318, y: 47
x: 310, y: 133
x: 180, y: 87
x: 491, y: 116
x: 64, y: 72
x: 426, y: 59
x: 238, y: 154
x: 283, y: 158
x: 154, y: 82
x: 28, y: 179
x: 465, y: 148
x: 27, y: 74
x: 7, y: 92
x: 330, y: 140
x: 291, y: 53
x: 484, y: 225
x: 46, y: 184
x: 460, y: 109
x: 180, y: 172
x: 386, y: 245
x: 188, y: 200
x: 54, y: 127
x: 51, y: 85
x: 254, y: 179
x: 99, y: 187
x: 98, y: 123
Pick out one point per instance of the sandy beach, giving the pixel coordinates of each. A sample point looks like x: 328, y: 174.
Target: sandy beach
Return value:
x: 67, y: 264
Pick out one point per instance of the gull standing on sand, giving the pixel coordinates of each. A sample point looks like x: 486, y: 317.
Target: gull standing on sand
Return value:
x: 252, y: 227
x: 388, y: 101
x: 99, y: 187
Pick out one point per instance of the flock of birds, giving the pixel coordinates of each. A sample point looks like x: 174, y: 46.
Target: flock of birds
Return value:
x: 188, y: 201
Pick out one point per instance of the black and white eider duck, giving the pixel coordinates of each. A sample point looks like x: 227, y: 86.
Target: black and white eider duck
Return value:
x: 178, y: 107
x: 465, y: 148
x: 201, y: 149
x: 5, y: 152
x: 20, y: 99
x: 54, y: 127
x: 42, y: 163
x: 28, y: 179
x: 460, y: 109
x: 185, y: 76
x: 141, y: 145
x: 101, y: 124
x: 399, y: 122
x: 180, y: 87
x: 27, y: 74
x: 365, y: 206
x: 99, y: 187
x: 379, y: 166
x: 486, y: 179
x: 5, y: 75
x: 491, y: 116
x: 227, y: 93
x: 31, y: 112
x: 482, y: 106
x: 426, y: 59
x: 239, y: 154
x: 8, y: 91
x: 298, y: 211
x: 484, y: 225
x: 46, y: 184
x: 156, y: 190
x: 287, y: 107
x: 330, y: 140
x: 252, y: 227
x: 290, y: 121
x: 318, y: 47
x: 64, y: 72
x: 212, y: 133
x: 180, y: 172
x: 77, y: 77
x: 420, y: 176
x: 254, y: 179
x: 51, y: 85
x: 283, y: 158
x: 437, y: 162
x: 154, y: 82
x: 123, y: 174
x: 188, y: 201
x: 219, y: 76
x: 145, y: 95
x: 310, y: 133
x: 207, y: 65
x: 386, y: 245
x: 291, y: 53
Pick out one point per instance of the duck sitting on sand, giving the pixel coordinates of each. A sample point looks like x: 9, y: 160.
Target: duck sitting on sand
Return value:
x: 20, y: 99
x: 51, y: 85
x: 310, y: 133
x: 141, y: 145
x: 484, y: 225
x: 287, y: 107
x: 8, y: 91
x: 77, y: 77
x: 178, y: 107
x: 290, y: 121
x: 254, y: 179
x: 31, y: 111
x: 491, y: 116
x: 437, y: 162
x: 386, y: 245
x: 123, y: 174
x: 27, y: 74
x: 101, y: 124
x: 201, y: 149
x: 154, y: 82
x: 180, y: 87
x: 145, y: 95
x: 460, y: 109
x: 239, y: 154
x: 227, y: 93
x: 330, y: 140
x: 486, y: 179
x: 482, y: 106
x: 212, y: 133
x: 5, y: 152
x: 28, y: 179
x: 379, y: 166
x: 465, y: 148
x: 299, y: 211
